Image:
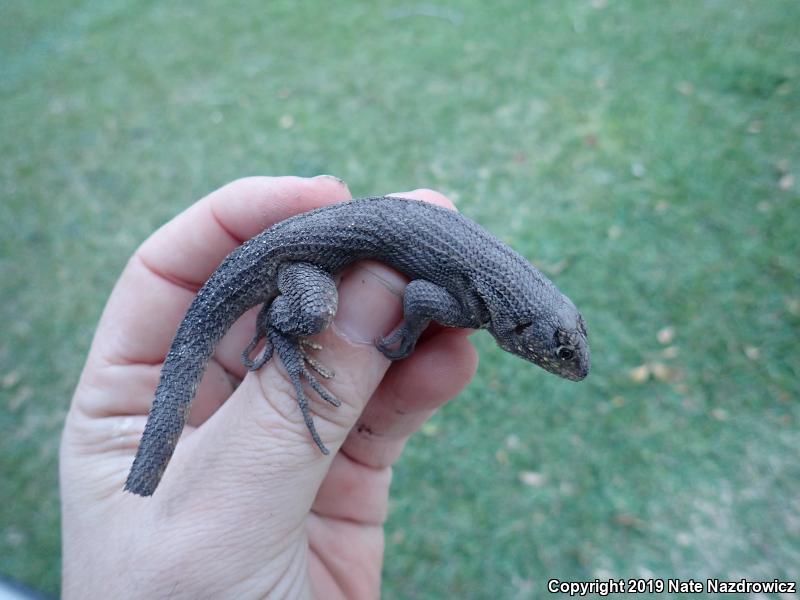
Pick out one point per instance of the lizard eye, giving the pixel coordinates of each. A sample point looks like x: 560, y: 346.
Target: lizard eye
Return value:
x: 520, y: 329
x: 564, y: 353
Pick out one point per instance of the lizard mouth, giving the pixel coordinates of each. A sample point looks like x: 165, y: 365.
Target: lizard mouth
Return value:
x: 583, y: 367
x: 577, y: 376
x: 576, y: 370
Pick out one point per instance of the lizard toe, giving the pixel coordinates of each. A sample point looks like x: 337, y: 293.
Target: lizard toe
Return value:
x: 320, y: 389
x: 405, y: 344
x: 266, y: 353
x: 321, y: 369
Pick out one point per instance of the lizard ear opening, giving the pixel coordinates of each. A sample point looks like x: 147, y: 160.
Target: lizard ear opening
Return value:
x: 520, y: 329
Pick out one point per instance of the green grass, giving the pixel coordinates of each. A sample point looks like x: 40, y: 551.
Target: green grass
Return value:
x: 641, y: 152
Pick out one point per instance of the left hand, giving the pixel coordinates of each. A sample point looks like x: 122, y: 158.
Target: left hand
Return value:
x: 248, y: 506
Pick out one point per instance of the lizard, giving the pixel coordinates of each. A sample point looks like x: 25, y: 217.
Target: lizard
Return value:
x: 460, y: 276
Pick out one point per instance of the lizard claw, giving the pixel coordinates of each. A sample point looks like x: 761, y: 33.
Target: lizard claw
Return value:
x: 313, y: 362
x: 400, y: 336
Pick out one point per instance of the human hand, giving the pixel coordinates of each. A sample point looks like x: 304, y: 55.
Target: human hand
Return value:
x: 248, y: 506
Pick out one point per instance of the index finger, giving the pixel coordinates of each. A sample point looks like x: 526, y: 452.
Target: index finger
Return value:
x: 164, y: 274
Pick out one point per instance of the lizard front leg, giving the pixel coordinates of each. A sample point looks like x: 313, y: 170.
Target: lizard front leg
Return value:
x: 306, y: 305
x: 424, y: 302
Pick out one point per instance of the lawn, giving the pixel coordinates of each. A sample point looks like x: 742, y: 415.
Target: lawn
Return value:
x: 646, y: 155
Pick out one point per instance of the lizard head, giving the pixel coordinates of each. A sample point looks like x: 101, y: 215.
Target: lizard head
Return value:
x: 554, y: 339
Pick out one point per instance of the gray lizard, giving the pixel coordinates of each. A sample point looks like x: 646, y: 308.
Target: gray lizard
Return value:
x: 461, y: 276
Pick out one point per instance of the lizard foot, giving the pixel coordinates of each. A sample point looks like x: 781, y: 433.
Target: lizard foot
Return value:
x: 320, y: 389
x: 266, y: 353
x: 313, y: 362
x: 262, y: 327
x: 404, y: 340
x: 294, y: 360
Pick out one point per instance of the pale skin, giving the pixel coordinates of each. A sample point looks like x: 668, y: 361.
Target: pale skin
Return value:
x: 248, y: 507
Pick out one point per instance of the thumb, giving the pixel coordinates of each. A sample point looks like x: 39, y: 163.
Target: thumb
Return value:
x: 257, y: 444
x: 252, y: 470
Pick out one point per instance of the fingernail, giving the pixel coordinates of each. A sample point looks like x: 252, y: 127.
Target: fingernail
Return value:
x: 336, y: 179
x: 370, y: 302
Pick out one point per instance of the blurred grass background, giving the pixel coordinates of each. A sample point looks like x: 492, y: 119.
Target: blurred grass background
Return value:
x: 644, y: 154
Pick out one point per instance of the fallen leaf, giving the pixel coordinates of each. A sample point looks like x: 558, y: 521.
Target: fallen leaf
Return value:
x: 666, y: 335
x: 532, y: 478
x: 720, y: 414
x: 501, y: 456
x: 11, y: 379
x: 398, y: 537
x: 15, y: 537
x: 670, y: 352
x: 628, y: 521
x: 555, y: 268
x: 22, y: 395
x: 429, y: 429
x: 640, y: 374
x: 752, y: 352
x: 754, y: 127
x: 681, y: 388
x: 661, y: 371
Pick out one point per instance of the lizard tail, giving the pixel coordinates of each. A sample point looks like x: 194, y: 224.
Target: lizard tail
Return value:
x: 183, y: 369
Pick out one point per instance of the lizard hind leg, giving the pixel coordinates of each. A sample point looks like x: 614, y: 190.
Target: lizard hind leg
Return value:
x: 306, y: 305
x: 291, y: 355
